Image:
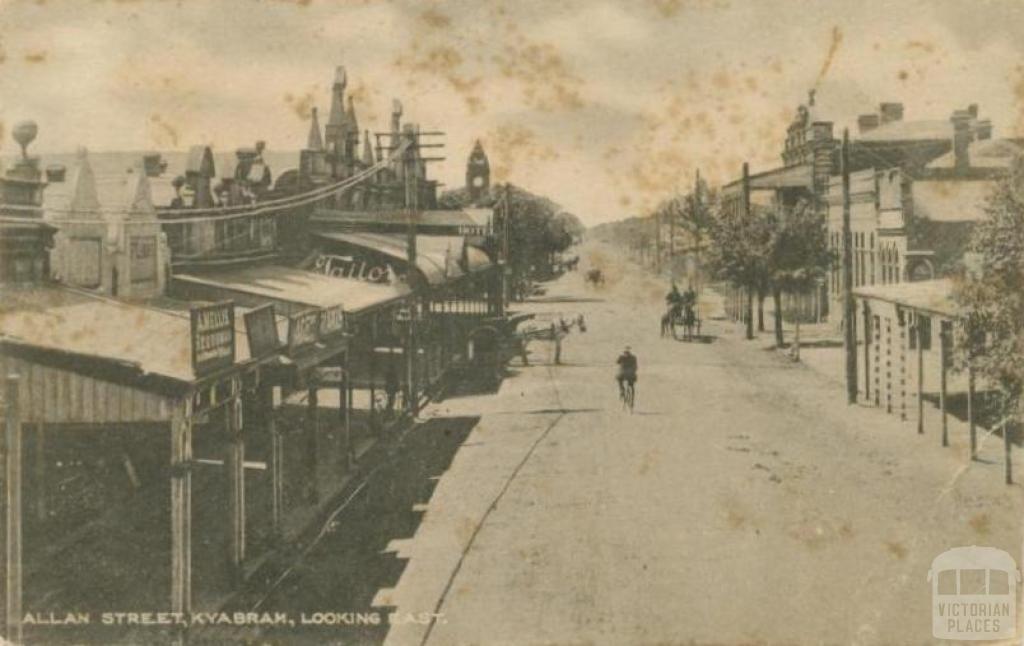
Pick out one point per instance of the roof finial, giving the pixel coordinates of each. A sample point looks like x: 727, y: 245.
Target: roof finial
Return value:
x: 25, y: 133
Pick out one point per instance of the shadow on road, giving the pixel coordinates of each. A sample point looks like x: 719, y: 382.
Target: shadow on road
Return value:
x: 343, y: 572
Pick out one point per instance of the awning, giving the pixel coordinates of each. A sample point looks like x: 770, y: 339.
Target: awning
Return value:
x: 438, y: 258
x: 290, y: 290
x: 931, y: 296
x: 799, y: 176
x: 100, y: 336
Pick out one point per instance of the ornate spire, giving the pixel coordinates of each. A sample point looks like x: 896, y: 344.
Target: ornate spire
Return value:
x: 367, y: 150
x: 337, y: 117
x: 315, y: 142
x: 353, y: 123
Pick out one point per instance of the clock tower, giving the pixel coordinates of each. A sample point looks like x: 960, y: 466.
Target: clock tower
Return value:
x: 478, y: 174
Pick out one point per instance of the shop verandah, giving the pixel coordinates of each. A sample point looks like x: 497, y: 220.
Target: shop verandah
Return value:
x: 99, y: 450
x: 906, y: 340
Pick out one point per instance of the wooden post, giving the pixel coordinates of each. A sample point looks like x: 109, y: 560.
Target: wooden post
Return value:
x: 1007, y: 463
x: 373, y: 384
x: 345, y: 398
x: 276, y: 461
x: 181, y: 507
x: 867, y: 351
x: 234, y: 465
x: 13, y: 517
x: 920, y: 374
x: 39, y: 479
x: 971, y: 423
x: 312, y: 433
x: 943, y: 349
x: 849, y: 318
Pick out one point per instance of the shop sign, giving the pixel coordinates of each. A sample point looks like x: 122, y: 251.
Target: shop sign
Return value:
x: 352, y: 267
x: 213, y: 337
x: 332, y: 321
x: 261, y: 330
x: 303, y: 329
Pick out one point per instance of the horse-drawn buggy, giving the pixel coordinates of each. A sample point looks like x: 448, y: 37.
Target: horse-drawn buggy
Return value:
x: 681, y: 319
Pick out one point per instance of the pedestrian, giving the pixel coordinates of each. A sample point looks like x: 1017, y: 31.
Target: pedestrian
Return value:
x: 391, y: 386
x: 581, y: 322
x: 556, y: 336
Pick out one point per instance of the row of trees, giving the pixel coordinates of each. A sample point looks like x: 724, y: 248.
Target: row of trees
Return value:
x: 538, y: 228
x: 772, y: 250
x: 769, y: 252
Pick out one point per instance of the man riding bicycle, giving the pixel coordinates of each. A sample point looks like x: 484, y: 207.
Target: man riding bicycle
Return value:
x: 627, y: 370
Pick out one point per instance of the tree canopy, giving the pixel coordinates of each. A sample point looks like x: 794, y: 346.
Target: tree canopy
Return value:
x: 991, y: 291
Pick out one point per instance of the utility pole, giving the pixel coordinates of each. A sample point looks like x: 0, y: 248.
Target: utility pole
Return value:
x: 849, y: 315
x: 657, y: 241
x: 506, y: 247
x: 409, y: 160
x: 749, y: 307
x: 697, y: 233
x: 672, y: 237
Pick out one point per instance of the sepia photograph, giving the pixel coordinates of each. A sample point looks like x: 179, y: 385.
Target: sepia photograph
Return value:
x: 511, y: 322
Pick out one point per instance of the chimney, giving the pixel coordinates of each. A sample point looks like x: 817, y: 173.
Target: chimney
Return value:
x: 55, y: 173
x: 983, y: 129
x: 961, y: 120
x: 972, y: 110
x: 867, y: 122
x: 154, y: 164
x: 890, y: 112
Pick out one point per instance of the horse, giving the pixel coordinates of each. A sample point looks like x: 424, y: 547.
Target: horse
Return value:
x: 681, y: 315
x: 595, y: 277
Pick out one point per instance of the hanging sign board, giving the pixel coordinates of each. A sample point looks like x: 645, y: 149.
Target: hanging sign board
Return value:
x: 261, y: 330
x: 332, y: 321
x: 213, y: 337
x: 303, y: 329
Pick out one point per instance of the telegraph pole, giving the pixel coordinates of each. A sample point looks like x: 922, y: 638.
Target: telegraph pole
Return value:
x: 409, y: 159
x: 657, y: 241
x: 749, y: 305
x: 849, y: 315
x: 506, y: 247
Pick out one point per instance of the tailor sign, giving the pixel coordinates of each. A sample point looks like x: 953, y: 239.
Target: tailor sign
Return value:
x: 213, y: 337
x: 352, y: 267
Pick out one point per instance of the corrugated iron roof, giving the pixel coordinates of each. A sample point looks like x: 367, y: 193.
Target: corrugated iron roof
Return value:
x: 154, y: 340
x: 909, y: 130
x: 277, y: 282
x: 951, y: 200
x: 986, y: 153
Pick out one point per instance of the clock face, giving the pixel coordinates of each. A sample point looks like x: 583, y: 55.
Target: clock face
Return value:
x: 478, y: 181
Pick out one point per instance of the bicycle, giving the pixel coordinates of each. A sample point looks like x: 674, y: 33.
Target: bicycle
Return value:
x: 627, y: 393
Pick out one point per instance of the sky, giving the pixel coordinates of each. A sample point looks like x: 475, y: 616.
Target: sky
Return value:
x: 605, y: 106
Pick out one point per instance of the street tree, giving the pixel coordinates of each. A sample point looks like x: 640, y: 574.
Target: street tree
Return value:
x: 798, y: 260
x: 991, y: 293
x: 740, y: 253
